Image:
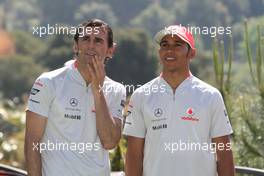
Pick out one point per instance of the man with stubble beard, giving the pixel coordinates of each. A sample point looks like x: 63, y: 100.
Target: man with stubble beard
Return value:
x: 74, y: 114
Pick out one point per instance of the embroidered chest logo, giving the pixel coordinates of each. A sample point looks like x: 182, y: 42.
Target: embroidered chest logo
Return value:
x: 73, y: 102
x: 34, y: 91
x: 190, y: 115
x: 158, y: 112
x: 190, y: 112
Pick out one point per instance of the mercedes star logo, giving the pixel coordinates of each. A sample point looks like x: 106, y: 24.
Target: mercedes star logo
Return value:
x: 158, y: 112
x: 73, y: 102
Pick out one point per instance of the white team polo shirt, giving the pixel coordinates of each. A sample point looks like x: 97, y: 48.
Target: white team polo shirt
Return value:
x: 74, y: 145
x: 177, y: 128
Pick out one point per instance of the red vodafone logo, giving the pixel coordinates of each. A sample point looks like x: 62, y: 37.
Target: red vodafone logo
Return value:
x: 189, y: 115
x: 190, y: 111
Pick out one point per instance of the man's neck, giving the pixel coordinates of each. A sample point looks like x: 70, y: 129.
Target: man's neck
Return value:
x: 174, y: 79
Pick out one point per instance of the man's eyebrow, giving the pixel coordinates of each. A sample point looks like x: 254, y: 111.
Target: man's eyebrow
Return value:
x: 164, y: 41
x: 99, y: 38
x: 179, y: 41
x: 85, y: 37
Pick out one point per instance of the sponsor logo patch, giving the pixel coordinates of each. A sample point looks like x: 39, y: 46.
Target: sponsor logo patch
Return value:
x: 73, y: 102
x: 38, y: 83
x: 190, y: 115
x: 71, y: 116
x: 158, y: 112
x: 34, y: 91
x: 34, y: 101
x: 162, y: 126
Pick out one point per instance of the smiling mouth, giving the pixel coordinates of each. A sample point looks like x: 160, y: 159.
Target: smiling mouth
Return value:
x: 170, y: 58
x: 89, y: 54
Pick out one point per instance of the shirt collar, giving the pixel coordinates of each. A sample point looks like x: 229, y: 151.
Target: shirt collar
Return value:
x: 186, y: 82
x: 75, y: 74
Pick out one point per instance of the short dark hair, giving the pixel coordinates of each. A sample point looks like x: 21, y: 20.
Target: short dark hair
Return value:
x: 95, y: 23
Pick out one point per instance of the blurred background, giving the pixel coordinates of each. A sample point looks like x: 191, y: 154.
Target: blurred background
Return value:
x: 232, y: 63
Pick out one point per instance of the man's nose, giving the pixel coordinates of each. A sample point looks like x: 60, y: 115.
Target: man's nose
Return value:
x: 91, y: 44
x: 170, y: 49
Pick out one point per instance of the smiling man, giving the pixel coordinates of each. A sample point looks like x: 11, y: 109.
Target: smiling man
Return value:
x: 72, y: 118
x: 183, y: 128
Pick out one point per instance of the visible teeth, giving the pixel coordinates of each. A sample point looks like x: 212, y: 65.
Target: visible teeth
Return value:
x: 90, y: 54
x: 170, y: 58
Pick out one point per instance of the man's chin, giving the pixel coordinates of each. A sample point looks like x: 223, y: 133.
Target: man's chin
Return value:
x: 171, y: 69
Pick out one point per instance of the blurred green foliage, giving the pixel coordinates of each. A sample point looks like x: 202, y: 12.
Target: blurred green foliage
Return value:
x: 98, y: 10
x: 133, y: 58
x: 17, y: 74
x: 245, y: 104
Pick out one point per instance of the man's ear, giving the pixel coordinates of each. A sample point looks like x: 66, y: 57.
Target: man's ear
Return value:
x: 191, y: 53
x: 75, y: 48
x: 110, y: 51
